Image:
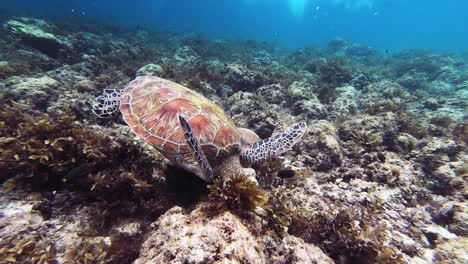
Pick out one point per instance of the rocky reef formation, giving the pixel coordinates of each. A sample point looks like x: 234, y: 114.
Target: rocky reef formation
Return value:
x: 380, y: 177
x: 201, y: 237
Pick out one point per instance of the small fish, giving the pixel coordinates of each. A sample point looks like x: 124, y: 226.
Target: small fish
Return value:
x: 286, y: 174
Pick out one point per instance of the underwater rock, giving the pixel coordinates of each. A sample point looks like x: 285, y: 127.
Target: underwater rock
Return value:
x: 361, y: 52
x: 36, y: 92
x: 345, y: 103
x: 437, y: 234
x: 215, y: 68
x: 36, y: 33
x: 301, y: 91
x: 292, y: 248
x: 23, y: 238
x: 452, y: 251
x: 383, y: 96
x: 34, y: 61
x: 67, y: 75
x: 310, y: 109
x: 360, y: 80
x: 357, y: 51
x: 431, y: 104
x: 365, y: 133
x: 381, y: 167
x: 273, y: 94
x: 457, y: 218
x: 404, y: 143
x: 440, y: 88
x: 251, y: 111
x: 413, y: 81
x: 5, y: 69
x: 322, y: 147
x: 186, y: 57
x: 26, y: 236
x: 204, y: 236
x: 242, y: 79
x: 263, y: 123
x: 87, y: 42
x: 453, y: 105
x: 437, y: 157
x: 150, y: 70
x: 263, y: 58
x: 85, y: 86
x: 245, y: 102
x: 199, y: 238
x: 77, y: 102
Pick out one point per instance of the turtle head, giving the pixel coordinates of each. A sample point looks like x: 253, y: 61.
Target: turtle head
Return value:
x: 231, y: 167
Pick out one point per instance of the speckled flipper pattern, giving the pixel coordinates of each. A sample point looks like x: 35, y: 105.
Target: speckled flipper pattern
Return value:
x: 275, y: 145
x: 193, y: 142
x: 107, y: 104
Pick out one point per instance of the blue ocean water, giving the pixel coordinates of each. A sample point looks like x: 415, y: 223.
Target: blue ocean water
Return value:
x: 383, y: 24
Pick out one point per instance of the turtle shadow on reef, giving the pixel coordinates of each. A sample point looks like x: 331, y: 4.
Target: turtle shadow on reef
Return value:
x: 187, y: 188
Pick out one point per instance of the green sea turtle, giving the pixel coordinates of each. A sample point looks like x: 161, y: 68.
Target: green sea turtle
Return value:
x: 190, y: 130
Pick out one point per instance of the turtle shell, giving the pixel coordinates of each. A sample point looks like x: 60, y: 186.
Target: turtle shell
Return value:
x: 151, y: 105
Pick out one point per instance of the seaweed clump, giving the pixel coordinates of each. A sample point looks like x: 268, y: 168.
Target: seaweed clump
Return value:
x: 348, y: 235
x: 442, y: 121
x: 46, y: 149
x: 41, y: 153
x: 331, y: 74
x: 345, y: 236
x: 239, y: 193
x: 409, y: 123
x: 334, y: 73
x: 45, y: 152
x: 24, y: 244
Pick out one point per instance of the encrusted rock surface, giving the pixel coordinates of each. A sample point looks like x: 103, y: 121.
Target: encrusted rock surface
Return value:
x: 36, y: 33
x: 150, y: 70
x: 36, y: 92
x: 199, y: 237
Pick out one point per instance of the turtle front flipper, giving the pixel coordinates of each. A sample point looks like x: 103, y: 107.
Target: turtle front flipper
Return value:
x: 107, y: 104
x: 274, y: 146
x: 199, y: 154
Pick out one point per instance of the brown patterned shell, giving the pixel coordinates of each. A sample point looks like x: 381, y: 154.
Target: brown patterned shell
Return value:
x: 151, y: 105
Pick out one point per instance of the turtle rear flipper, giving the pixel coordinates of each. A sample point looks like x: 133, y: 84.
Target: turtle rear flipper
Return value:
x: 274, y: 146
x: 107, y: 104
x: 199, y: 154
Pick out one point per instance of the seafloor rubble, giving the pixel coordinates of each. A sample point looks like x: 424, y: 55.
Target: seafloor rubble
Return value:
x: 380, y: 176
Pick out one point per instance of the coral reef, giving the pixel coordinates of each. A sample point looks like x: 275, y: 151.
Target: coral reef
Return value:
x: 203, y: 236
x: 380, y: 176
x: 150, y: 70
x: 35, y: 33
x: 206, y: 239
